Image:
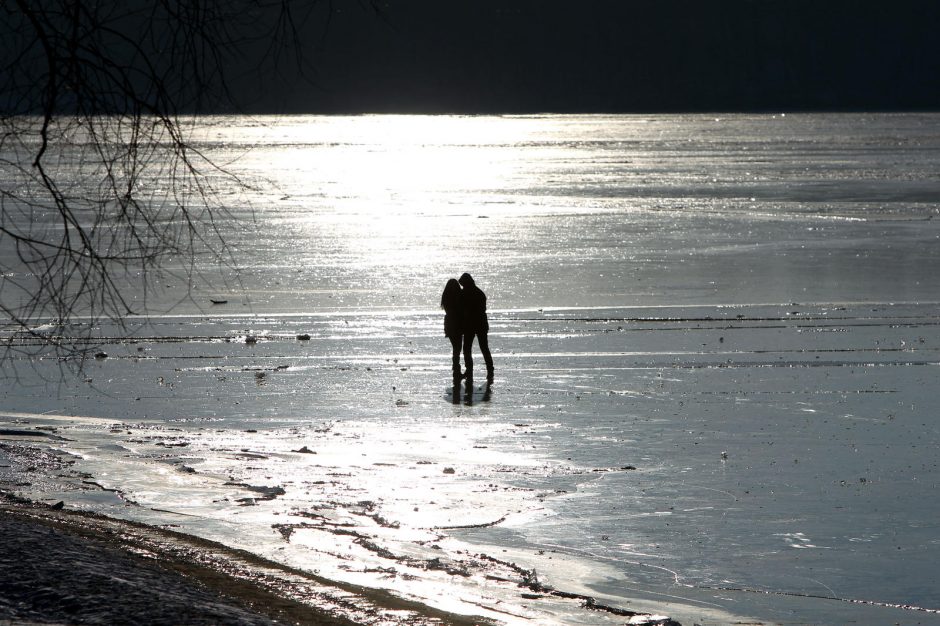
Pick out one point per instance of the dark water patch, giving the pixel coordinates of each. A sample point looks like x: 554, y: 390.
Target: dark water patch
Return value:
x: 472, y: 526
x: 117, y: 492
x: 30, y: 434
x: 264, y: 493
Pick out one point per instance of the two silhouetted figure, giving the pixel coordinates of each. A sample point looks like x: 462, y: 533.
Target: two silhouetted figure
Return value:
x: 464, y: 307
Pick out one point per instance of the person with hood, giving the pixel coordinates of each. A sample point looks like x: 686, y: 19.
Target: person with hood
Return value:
x: 476, y: 325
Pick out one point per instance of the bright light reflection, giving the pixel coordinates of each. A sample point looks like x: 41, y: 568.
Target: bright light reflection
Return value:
x: 382, y: 177
x: 381, y: 157
x: 411, y: 158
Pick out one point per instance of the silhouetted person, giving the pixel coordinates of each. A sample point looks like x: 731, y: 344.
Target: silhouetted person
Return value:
x: 475, y: 324
x: 452, y: 303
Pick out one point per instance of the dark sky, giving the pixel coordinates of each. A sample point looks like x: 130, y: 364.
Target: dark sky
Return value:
x: 492, y: 56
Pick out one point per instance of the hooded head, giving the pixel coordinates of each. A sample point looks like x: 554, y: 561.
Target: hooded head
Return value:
x: 466, y: 280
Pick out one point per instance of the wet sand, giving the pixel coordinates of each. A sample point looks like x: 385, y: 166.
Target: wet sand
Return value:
x: 58, y: 566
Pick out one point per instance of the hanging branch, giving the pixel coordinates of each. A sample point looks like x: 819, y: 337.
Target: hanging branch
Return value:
x: 101, y: 185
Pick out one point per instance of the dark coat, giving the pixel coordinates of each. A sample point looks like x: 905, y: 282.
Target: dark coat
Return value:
x: 453, y: 321
x: 474, y: 309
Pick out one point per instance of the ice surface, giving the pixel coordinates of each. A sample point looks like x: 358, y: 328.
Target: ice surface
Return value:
x: 716, y: 348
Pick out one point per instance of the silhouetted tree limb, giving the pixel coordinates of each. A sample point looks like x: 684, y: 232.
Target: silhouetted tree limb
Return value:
x: 100, y: 183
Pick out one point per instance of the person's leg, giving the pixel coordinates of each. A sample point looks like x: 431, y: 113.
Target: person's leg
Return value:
x: 468, y: 353
x: 485, y: 349
x: 455, y: 343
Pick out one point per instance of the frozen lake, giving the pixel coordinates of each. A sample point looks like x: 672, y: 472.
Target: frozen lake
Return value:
x: 716, y: 345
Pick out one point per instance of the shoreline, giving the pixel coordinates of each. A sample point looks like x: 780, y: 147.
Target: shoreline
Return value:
x: 238, y: 579
x: 58, y: 564
x: 72, y: 560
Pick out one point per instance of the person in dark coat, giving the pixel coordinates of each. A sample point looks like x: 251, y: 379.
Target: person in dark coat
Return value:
x: 475, y: 325
x: 452, y: 303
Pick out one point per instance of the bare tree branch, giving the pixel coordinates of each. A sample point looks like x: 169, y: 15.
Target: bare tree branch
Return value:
x: 99, y: 178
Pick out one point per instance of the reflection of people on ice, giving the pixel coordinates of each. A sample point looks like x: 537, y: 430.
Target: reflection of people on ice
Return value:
x: 476, y: 325
x: 451, y: 302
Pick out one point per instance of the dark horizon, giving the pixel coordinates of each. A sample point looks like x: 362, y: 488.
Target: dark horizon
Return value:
x: 619, y: 56
x: 520, y: 57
